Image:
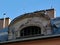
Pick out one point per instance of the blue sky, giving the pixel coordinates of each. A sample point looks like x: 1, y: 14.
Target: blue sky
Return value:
x: 14, y: 8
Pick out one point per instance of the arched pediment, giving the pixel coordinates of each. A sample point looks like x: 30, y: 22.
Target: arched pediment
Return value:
x: 29, y: 15
x: 30, y: 19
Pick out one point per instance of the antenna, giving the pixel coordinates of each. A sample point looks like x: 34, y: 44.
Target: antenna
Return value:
x: 51, y: 4
x: 4, y: 20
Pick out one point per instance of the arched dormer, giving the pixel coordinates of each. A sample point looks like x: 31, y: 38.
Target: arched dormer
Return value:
x: 26, y: 24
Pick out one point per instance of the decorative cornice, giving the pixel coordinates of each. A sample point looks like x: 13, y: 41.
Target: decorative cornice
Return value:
x: 28, y: 15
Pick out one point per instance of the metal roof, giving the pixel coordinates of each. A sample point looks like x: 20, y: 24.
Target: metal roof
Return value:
x: 32, y: 38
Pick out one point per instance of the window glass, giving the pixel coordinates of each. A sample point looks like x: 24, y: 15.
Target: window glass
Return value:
x: 30, y: 31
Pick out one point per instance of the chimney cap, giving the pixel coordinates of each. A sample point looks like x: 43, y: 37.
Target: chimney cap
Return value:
x: 5, y: 18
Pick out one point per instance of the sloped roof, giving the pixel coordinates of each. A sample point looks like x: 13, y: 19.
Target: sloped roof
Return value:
x: 32, y: 38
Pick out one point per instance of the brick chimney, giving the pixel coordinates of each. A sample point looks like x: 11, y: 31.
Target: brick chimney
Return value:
x: 50, y: 13
x: 7, y: 22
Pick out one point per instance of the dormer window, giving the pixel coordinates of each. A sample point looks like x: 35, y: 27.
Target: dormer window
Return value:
x: 30, y: 31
